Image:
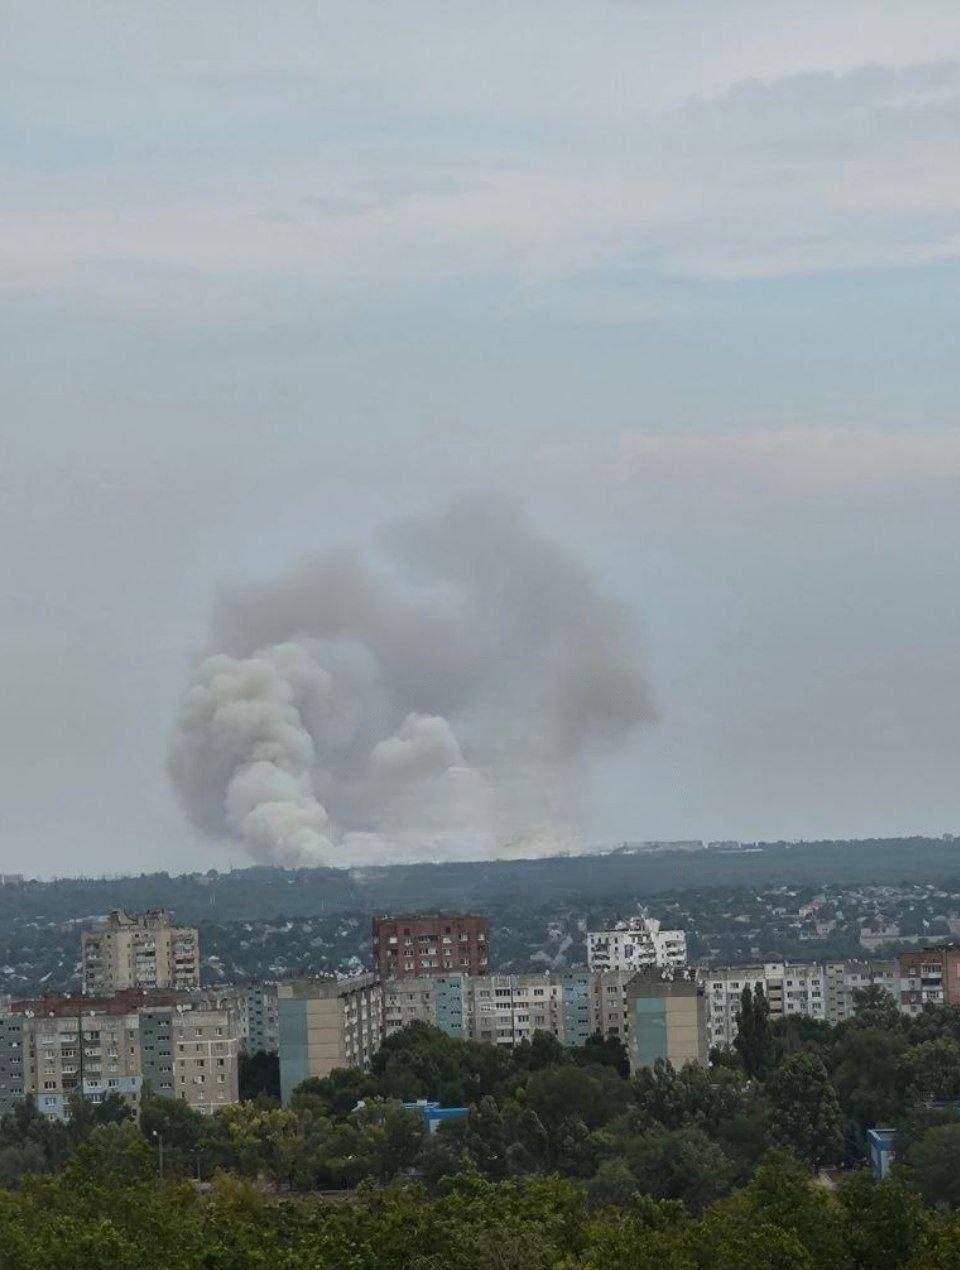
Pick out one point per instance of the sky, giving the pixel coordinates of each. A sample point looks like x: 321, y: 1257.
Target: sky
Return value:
x: 680, y: 280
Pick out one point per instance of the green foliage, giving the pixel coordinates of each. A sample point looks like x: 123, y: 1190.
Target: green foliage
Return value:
x: 931, y: 1069
x: 682, y: 1164
x: 866, y: 1072
x: 886, y: 1223
x: 805, y: 1111
x: 754, y: 1040
x: 259, y: 1075
x: 934, y: 1165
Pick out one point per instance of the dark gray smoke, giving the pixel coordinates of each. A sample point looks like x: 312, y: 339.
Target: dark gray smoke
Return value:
x: 438, y: 699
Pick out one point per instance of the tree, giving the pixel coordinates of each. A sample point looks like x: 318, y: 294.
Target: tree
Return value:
x: 487, y: 1140
x: 400, y: 1142
x: 886, y: 1223
x: 934, y: 1164
x: 544, y: 1050
x: 805, y: 1111
x: 865, y: 1070
x: 604, y: 1050
x: 781, y: 1199
x: 931, y: 1070
x: 754, y: 1042
x: 334, y: 1095
x: 259, y: 1074
x: 682, y: 1164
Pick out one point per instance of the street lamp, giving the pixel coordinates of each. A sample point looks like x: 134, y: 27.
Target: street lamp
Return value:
x: 159, y: 1137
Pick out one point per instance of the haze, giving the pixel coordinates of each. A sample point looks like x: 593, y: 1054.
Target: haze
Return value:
x: 679, y: 281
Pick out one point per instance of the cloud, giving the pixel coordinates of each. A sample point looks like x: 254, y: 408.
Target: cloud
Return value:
x: 849, y: 168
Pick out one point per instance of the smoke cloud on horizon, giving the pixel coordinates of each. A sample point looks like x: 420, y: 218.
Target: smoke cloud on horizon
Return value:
x: 436, y: 699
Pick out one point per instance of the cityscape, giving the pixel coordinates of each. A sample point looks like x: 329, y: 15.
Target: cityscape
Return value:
x: 141, y: 982
x: 480, y: 635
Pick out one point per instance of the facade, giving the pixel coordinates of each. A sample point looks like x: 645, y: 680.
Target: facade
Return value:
x: 608, y: 1003
x: 204, y: 1066
x: 439, y: 944
x: 62, y: 1046
x: 12, y: 1086
x: 325, y: 1024
x: 255, y: 1005
x: 929, y: 976
x: 817, y: 991
x: 634, y: 944
x: 667, y: 1019
x: 140, y: 950
x: 844, y: 978
x: 508, y: 1009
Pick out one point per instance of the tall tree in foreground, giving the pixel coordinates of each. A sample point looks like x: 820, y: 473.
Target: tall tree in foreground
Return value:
x: 805, y: 1111
x: 754, y: 1041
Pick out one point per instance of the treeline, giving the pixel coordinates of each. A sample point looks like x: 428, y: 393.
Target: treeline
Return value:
x: 483, y: 885
x: 105, y: 1211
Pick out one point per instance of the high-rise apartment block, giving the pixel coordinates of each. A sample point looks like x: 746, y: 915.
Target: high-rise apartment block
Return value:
x: 257, y: 1017
x: 817, y: 991
x: 634, y: 944
x: 929, y: 976
x: 666, y: 1018
x: 429, y: 945
x: 60, y: 1046
x: 140, y: 950
x: 506, y: 1009
x: 325, y: 1024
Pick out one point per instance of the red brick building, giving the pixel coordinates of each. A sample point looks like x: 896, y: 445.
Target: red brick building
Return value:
x: 930, y: 976
x: 439, y: 944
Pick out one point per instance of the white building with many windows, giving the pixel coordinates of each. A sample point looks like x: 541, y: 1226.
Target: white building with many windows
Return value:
x: 634, y: 944
x: 817, y: 991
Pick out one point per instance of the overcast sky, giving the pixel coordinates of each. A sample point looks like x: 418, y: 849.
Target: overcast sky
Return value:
x: 682, y: 278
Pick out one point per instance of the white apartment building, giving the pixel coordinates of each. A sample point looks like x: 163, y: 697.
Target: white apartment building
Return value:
x: 139, y: 950
x: 636, y: 943
x: 817, y: 991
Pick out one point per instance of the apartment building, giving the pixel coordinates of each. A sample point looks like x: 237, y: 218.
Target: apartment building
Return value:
x: 844, y: 978
x: 443, y: 943
x: 12, y: 1088
x: 634, y: 944
x: 324, y: 1024
x: 414, y: 1000
x: 817, y: 991
x: 667, y: 1018
x: 608, y: 1003
x: 140, y: 950
x: 62, y: 1046
x: 929, y: 976
x: 204, y: 1057
x: 507, y: 1009
x: 255, y: 1005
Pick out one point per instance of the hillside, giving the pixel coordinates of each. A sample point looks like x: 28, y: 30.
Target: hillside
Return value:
x: 256, y: 893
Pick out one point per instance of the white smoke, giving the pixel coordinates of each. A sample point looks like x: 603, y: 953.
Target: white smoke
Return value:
x: 441, y: 707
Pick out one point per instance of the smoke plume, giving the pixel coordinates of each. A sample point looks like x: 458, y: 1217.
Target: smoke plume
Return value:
x: 438, y: 698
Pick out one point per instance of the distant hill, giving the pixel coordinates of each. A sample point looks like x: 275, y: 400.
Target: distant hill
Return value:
x: 250, y: 894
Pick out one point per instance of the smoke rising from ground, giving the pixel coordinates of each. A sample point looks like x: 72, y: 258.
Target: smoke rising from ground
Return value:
x: 437, y: 698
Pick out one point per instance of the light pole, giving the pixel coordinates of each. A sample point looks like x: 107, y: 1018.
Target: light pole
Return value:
x: 159, y: 1137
